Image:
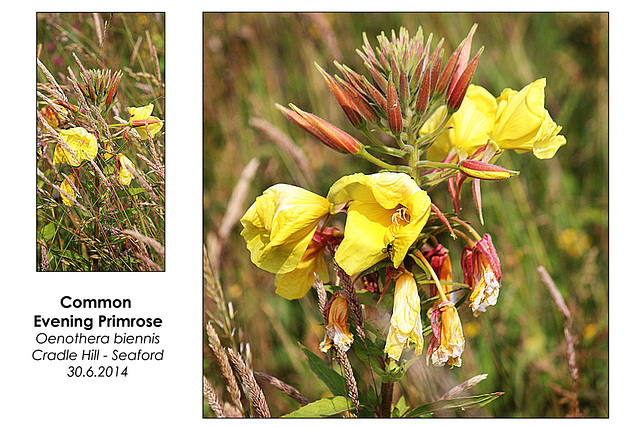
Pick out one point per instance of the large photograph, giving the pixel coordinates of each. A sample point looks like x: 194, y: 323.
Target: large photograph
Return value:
x: 405, y: 215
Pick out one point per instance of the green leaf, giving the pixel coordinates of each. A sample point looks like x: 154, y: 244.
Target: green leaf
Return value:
x: 134, y: 191
x: 48, y: 231
x: 322, y: 408
x: 462, y: 403
x: 328, y: 376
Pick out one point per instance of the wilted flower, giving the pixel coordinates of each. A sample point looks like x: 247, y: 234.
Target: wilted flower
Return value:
x: 125, y: 176
x: 386, y: 208
x: 83, y: 144
x: 67, y: 188
x: 447, y: 343
x: 336, y: 332
x: 280, y: 224
x: 141, y: 118
x: 405, y: 325
x: 481, y: 267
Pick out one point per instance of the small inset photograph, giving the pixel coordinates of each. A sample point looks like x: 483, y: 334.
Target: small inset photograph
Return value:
x: 100, y: 142
x: 405, y: 215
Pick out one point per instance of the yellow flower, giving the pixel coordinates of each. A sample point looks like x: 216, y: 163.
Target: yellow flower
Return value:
x: 279, y: 225
x: 470, y: 127
x: 83, y: 144
x: 67, y: 188
x: 450, y: 338
x: 523, y: 124
x: 141, y: 116
x: 125, y: 175
x: 297, y: 282
x: 386, y: 208
x: 337, y: 329
x: 406, y: 325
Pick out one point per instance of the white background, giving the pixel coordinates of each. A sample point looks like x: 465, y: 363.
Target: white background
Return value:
x: 169, y: 393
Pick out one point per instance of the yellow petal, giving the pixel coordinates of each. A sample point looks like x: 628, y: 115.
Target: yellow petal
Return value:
x: 280, y: 224
x: 66, y: 187
x: 296, y: 283
x: 370, y: 226
x: 125, y: 175
x: 519, y: 116
x: 140, y: 113
x: 470, y: 127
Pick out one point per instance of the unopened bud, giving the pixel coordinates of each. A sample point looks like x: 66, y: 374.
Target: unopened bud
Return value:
x: 483, y: 170
x: 463, y: 59
x: 327, y: 133
x: 456, y: 95
x: 346, y: 103
x: 394, y: 113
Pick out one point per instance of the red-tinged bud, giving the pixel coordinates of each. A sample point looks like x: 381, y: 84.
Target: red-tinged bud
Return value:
x: 139, y: 123
x: 378, y: 78
x: 363, y: 105
x: 447, y: 73
x: 327, y: 133
x: 422, y: 98
x: 346, y: 103
x: 66, y: 105
x: 436, y: 60
x: 463, y: 59
x: 483, y: 170
x: 458, y: 92
x: 394, y: 113
x: 113, y: 89
x: 377, y: 97
x: 403, y: 89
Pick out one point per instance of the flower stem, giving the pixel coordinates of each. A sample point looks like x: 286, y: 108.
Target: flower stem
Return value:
x: 468, y: 227
x: 443, y: 295
x: 376, y: 161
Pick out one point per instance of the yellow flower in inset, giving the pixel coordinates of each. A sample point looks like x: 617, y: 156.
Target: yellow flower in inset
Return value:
x: 279, y: 225
x: 83, y: 144
x: 386, y: 208
x: 125, y: 175
x: 405, y: 326
x: 141, y: 116
x: 523, y: 124
x: 67, y: 188
x: 448, y: 336
x: 469, y: 128
x: 336, y: 326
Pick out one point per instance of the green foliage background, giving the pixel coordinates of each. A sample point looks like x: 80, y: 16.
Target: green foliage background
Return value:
x: 554, y: 214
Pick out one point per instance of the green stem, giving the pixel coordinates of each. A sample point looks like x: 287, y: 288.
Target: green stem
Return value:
x: 437, y: 165
x: 376, y: 161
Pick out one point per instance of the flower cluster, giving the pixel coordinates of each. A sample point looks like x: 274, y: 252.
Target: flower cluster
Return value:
x: 75, y: 145
x: 437, y: 127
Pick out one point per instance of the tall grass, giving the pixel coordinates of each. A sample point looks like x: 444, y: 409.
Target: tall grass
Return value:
x: 555, y: 214
x: 111, y: 225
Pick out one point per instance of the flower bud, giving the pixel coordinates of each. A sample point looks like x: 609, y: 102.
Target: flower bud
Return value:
x: 457, y: 92
x: 394, y: 113
x: 463, y: 59
x: 484, y: 170
x: 364, y: 107
x: 327, y: 133
x: 346, y: 103
x: 447, y: 73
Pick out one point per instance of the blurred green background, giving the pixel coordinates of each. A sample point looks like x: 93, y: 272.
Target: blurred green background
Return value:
x: 554, y: 214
